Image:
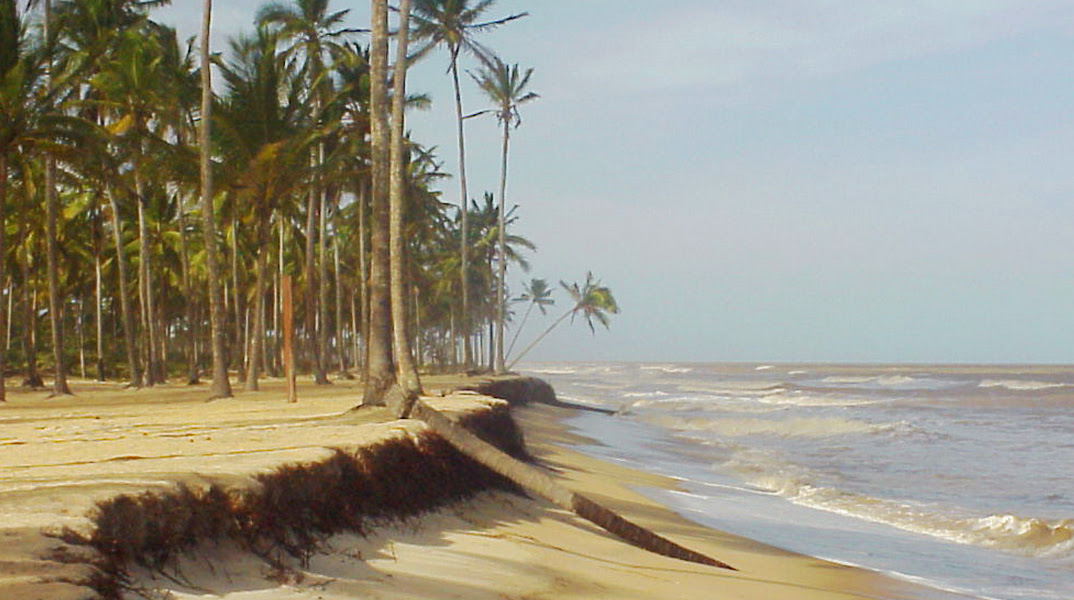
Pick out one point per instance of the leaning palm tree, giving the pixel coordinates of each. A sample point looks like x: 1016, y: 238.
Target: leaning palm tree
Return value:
x: 505, y: 87
x: 591, y: 300
x: 453, y: 24
x: 538, y: 294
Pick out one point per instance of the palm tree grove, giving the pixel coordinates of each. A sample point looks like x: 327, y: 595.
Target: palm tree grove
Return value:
x: 175, y: 212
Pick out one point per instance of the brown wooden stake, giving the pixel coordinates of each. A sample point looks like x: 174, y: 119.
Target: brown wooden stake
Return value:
x: 288, y: 335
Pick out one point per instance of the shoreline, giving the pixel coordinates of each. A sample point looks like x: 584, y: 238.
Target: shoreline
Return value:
x: 551, y: 549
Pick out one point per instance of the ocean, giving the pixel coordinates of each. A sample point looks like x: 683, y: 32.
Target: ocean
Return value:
x: 957, y: 477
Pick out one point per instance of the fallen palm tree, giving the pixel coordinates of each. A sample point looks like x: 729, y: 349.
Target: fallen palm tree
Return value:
x: 541, y: 484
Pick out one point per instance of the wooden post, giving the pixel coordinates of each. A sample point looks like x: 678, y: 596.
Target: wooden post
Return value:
x: 288, y: 338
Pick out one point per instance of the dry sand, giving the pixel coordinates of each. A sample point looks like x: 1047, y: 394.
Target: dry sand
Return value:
x: 60, y: 456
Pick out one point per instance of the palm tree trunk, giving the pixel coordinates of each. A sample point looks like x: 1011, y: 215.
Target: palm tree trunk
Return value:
x: 340, y: 341
x: 188, y: 296
x: 221, y: 387
x: 322, y: 281
x: 379, y: 350
x: 258, y: 334
x: 145, y: 288
x: 405, y: 371
x: 311, y: 277
x: 539, y: 338
x: 98, y: 302
x: 501, y: 298
x: 238, y: 342
x: 518, y: 331
x: 363, y: 273
x: 4, y: 318
x: 59, y: 384
x: 541, y: 484
x: 124, y: 304
x: 468, y: 354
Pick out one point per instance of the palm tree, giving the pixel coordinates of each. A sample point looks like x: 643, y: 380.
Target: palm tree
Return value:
x: 316, y: 33
x: 454, y: 24
x: 221, y: 387
x: 506, y: 89
x: 538, y: 294
x: 381, y: 372
x: 592, y: 300
x: 406, y: 372
x: 260, y: 127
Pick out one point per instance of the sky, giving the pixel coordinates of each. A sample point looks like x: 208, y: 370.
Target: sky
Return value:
x: 781, y: 180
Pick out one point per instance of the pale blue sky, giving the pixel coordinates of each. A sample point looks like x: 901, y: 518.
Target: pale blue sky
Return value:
x: 786, y: 180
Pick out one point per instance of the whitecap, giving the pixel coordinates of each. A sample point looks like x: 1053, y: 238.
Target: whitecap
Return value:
x: 1019, y: 385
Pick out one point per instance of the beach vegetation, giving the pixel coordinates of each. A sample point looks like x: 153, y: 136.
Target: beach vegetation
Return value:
x: 154, y: 219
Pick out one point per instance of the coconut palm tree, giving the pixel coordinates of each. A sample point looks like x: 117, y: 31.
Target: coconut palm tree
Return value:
x: 536, y: 293
x: 505, y: 87
x: 260, y: 125
x: 381, y: 371
x: 454, y: 24
x: 591, y: 300
x: 221, y: 387
x: 316, y: 33
x: 406, y: 372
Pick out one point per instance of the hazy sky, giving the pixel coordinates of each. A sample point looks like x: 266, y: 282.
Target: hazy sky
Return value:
x: 784, y: 180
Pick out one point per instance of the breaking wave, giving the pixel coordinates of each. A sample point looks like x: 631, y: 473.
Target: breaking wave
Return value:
x: 1025, y: 536
x: 803, y: 427
x: 1019, y: 385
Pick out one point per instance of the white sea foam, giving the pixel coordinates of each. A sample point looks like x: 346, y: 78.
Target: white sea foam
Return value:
x: 1019, y: 385
x: 1026, y: 536
x: 798, y: 398
x: 670, y: 369
x: 763, y: 368
x: 801, y: 427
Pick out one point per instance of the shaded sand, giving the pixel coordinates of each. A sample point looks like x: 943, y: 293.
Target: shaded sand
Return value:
x: 500, y: 546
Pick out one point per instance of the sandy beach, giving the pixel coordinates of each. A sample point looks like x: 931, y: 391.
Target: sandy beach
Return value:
x: 62, y: 456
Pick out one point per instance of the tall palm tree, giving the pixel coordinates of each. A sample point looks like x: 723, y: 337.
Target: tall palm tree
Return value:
x: 260, y: 127
x: 406, y: 372
x: 381, y: 372
x: 316, y: 33
x: 506, y: 89
x: 454, y: 24
x: 13, y: 88
x: 221, y: 387
x: 591, y: 300
x: 536, y: 293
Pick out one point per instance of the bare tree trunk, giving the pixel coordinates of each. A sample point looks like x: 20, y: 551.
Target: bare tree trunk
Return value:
x: 221, y: 387
x: 379, y: 350
x: 133, y: 363
x: 405, y: 372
